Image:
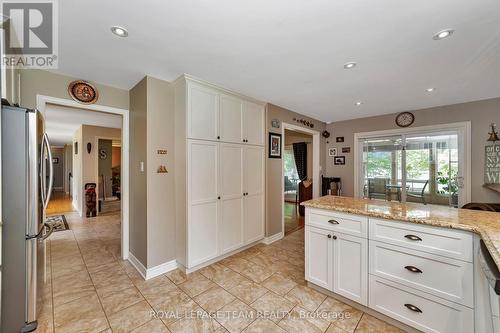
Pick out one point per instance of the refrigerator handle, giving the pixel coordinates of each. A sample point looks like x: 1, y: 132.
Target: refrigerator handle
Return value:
x: 51, y: 171
x: 42, y: 171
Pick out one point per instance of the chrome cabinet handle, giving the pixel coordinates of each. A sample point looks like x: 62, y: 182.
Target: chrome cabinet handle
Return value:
x: 413, y: 308
x: 413, y: 269
x: 333, y: 222
x: 413, y: 237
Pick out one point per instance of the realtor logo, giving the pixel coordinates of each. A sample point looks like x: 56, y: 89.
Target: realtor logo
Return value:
x: 30, y: 34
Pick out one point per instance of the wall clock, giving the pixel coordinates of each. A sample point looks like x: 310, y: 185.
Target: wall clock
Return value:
x: 405, y: 119
x: 83, y: 92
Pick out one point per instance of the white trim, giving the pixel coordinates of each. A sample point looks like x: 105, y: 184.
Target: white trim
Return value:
x: 137, y: 265
x: 315, y: 164
x: 273, y: 238
x: 41, y: 102
x: 463, y: 127
x: 161, y: 269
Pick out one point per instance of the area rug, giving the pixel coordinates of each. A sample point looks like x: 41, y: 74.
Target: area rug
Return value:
x: 58, y: 222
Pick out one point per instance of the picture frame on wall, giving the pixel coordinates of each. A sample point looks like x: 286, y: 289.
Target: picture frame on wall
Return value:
x: 332, y: 151
x: 339, y: 160
x: 339, y: 139
x: 55, y: 160
x: 274, y: 145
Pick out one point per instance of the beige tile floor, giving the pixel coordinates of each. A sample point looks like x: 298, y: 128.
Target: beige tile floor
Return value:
x: 262, y: 289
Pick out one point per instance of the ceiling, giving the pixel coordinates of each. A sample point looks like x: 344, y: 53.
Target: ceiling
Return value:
x: 61, y: 122
x: 291, y: 52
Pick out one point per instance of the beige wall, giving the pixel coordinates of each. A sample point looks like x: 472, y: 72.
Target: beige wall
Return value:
x: 480, y: 113
x: 274, y: 196
x: 153, y: 206
x: 68, y: 166
x: 137, y: 181
x: 77, y: 171
x: 160, y: 186
x: 58, y: 178
x: 38, y: 82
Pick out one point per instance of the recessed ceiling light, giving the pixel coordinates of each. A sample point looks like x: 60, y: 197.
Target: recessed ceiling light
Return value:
x: 119, y: 31
x: 349, y: 65
x: 359, y: 103
x: 430, y: 89
x: 443, y: 34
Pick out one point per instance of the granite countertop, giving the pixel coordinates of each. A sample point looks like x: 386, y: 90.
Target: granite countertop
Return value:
x: 485, y: 224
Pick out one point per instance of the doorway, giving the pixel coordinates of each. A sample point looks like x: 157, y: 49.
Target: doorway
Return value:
x: 300, y: 173
x: 427, y: 165
x: 88, y: 148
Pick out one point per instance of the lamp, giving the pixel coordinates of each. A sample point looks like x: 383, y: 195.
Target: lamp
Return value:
x: 493, y: 134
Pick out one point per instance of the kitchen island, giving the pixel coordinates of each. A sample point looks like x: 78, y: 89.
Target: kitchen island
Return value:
x: 417, y: 264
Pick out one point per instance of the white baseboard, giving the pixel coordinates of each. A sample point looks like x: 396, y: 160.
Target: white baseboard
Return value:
x: 273, y: 238
x: 149, y: 273
x: 137, y: 265
x: 161, y: 269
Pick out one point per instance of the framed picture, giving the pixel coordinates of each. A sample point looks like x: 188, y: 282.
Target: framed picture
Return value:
x: 339, y: 139
x: 339, y: 160
x: 274, y: 145
x: 75, y: 148
x: 346, y: 150
x: 332, y: 151
x: 55, y: 160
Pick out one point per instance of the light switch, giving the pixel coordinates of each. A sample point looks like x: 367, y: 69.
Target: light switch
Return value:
x: 142, y: 166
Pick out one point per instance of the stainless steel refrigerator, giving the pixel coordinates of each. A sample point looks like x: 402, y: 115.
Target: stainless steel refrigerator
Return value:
x: 26, y: 177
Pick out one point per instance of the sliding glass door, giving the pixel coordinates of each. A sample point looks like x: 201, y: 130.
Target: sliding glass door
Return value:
x: 421, y: 167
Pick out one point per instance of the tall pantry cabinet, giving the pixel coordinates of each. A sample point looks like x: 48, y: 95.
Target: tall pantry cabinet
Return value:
x: 220, y: 171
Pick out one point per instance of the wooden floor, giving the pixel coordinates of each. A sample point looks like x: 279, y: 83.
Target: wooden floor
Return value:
x: 292, y: 219
x: 59, y: 203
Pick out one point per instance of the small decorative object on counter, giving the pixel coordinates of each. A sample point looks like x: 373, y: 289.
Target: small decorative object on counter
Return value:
x: 493, y: 134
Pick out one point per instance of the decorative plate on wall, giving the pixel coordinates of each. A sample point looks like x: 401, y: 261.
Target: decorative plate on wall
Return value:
x: 405, y: 119
x: 83, y: 92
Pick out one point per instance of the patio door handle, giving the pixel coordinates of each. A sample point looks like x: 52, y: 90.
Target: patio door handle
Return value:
x: 333, y: 221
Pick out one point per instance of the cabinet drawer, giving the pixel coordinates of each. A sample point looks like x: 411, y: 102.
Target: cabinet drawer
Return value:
x: 454, y: 244
x: 345, y: 223
x: 420, y: 310
x: 444, y: 277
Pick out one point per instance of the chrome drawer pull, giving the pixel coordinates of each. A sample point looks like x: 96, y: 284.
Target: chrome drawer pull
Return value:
x: 413, y: 308
x: 413, y: 269
x: 333, y: 222
x: 413, y: 237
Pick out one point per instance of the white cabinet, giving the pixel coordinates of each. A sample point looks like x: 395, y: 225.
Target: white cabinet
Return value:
x: 231, y: 119
x: 254, y: 120
x: 203, y: 209
x: 350, y: 267
x: 202, y: 112
x: 220, y: 172
x: 318, y: 249
x: 254, y: 193
x: 231, y: 197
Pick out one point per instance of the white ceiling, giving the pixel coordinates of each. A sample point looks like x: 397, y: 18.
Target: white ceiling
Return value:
x: 291, y: 52
x: 62, y: 122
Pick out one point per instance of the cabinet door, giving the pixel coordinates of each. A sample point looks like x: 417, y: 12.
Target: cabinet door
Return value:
x: 231, y: 184
x: 203, y: 205
x: 318, y: 257
x: 350, y: 267
x: 254, y: 123
x: 203, y: 112
x: 231, y: 119
x: 254, y: 189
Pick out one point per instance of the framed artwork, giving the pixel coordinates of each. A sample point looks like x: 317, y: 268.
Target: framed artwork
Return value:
x: 346, y: 150
x: 339, y: 160
x: 55, y: 160
x: 75, y: 148
x: 332, y: 151
x: 274, y: 145
x: 339, y: 139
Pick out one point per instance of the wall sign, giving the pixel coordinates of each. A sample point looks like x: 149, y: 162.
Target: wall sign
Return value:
x: 492, y: 164
x: 332, y: 151
x: 103, y: 154
x: 346, y: 150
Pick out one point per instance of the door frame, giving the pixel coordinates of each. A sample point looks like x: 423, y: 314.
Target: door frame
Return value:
x: 463, y: 127
x: 42, y: 101
x: 96, y: 154
x: 315, y: 164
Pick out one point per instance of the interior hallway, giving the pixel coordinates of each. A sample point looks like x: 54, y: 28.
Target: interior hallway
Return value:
x: 59, y: 203
x: 293, y: 221
x: 90, y: 289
